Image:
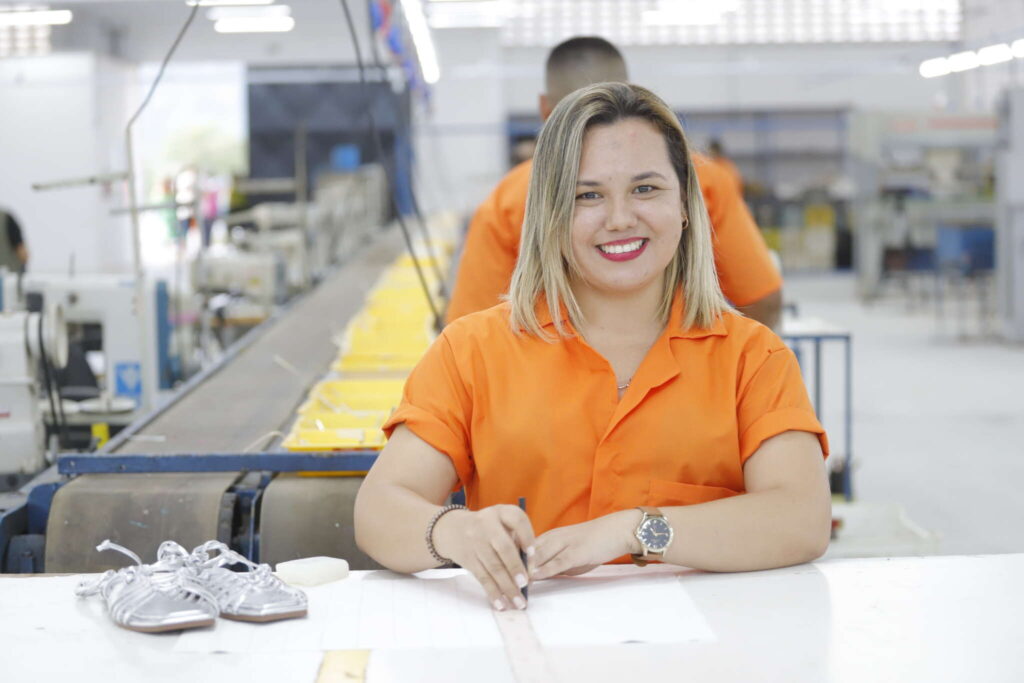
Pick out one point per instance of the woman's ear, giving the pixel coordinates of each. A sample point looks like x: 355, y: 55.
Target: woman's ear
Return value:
x: 686, y: 221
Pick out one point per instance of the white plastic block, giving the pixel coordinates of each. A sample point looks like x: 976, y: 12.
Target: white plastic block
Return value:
x: 312, y: 571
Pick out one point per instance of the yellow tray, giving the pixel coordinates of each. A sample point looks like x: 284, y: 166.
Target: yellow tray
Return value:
x: 320, y: 421
x: 357, y: 362
x: 351, y: 395
x: 334, y: 440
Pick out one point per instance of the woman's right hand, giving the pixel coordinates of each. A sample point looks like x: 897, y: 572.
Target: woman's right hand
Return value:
x: 486, y: 543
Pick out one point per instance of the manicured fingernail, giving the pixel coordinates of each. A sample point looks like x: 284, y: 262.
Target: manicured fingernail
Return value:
x: 530, y: 551
x: 499, y: 605
x: 521, y: 581
x: 519, y: 602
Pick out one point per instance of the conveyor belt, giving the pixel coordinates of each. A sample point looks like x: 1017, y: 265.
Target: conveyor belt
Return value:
x: 255, y: 394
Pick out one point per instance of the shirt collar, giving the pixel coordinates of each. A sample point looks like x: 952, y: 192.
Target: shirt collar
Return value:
x: 674, y: 327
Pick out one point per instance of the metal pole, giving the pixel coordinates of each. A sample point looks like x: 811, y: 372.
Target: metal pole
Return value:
x: 142, y: 306
x: 848, y: 418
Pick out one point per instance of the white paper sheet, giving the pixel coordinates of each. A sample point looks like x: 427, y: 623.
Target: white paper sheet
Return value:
x: 389, y: 611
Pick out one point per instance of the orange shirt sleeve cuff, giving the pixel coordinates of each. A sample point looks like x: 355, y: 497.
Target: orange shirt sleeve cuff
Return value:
x: 775, y: 423
x: 436, y: 433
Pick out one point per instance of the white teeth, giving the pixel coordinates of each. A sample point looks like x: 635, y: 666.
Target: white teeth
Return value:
x: 621, y: 248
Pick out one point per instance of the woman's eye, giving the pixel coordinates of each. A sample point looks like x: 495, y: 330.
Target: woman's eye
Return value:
x: 643, y: 189
x: 587, y: 195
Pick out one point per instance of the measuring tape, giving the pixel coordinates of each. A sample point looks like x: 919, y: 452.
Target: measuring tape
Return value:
x: 523, y: 649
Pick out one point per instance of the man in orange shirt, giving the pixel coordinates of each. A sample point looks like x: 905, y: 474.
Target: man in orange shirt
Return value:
x: 747, y: 275
x: 717, y: 153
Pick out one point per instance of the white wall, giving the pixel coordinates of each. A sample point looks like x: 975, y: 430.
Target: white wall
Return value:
x: 724, y: 78
x: 55, y: 124
x: 463, y: 140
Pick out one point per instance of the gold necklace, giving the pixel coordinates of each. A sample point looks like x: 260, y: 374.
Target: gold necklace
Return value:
x: 621, y: 387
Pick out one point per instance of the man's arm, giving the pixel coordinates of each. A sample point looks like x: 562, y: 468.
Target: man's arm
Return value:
x: 746, y: 271
x: 492, y: 247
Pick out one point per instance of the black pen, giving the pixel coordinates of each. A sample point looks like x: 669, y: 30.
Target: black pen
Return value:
x: 522, y: 553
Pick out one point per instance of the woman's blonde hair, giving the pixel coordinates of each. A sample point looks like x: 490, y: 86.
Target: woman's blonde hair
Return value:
x: 546, y: 261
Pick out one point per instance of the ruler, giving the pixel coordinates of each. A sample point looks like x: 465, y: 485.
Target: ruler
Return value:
x: 523, y: 649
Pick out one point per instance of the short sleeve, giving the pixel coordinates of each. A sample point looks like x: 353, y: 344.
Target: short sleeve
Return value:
x: 745, y: 267
x: 773, y: 400
x: 436, y: 406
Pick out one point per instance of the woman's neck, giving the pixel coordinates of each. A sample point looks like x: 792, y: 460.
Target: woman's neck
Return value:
x: 626, y: 315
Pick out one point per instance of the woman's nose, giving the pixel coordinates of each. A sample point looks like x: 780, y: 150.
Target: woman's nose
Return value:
x: 620, y: 215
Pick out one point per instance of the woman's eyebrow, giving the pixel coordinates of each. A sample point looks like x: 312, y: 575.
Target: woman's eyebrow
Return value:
x: 648, y: 174
x: 638, y: 177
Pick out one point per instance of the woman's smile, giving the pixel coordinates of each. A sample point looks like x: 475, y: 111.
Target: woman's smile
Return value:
x: 623, y: 250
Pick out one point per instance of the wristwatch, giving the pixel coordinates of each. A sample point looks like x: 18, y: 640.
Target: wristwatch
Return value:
x: 655, y: 535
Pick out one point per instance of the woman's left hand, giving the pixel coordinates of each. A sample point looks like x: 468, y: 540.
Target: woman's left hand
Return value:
x: 581, y: 547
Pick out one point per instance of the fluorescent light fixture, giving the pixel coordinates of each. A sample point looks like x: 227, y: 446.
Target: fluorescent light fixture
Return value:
x: 963, y: 61
x: 930, y: 68
x: 35, y: 17
x: 689, y: 13
x: 468, y: 14
x: 254, y: 25
x: 421, y: 37
x: 1018, y: 48
x: 995, y: 54
x: 261, y: 11
x: 226, y: 3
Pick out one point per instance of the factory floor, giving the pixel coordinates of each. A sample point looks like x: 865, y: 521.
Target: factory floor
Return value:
x: 938, y: 424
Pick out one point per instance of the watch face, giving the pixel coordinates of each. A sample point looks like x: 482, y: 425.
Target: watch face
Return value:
x: 655, y: 533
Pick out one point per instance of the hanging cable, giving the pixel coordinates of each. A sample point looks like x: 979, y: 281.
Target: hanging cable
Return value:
x: 57, y: 417
x: 428, y: 239
x: 163, y: 64
x: 379, y: 147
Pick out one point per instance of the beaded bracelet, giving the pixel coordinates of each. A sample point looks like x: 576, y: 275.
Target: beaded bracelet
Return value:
x: 430, y: 532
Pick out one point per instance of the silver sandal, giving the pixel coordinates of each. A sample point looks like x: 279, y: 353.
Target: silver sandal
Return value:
x: 154, y: 598
x: 255, y: 595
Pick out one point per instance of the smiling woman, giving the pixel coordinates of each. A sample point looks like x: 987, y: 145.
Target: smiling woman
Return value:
x: 616, y: 390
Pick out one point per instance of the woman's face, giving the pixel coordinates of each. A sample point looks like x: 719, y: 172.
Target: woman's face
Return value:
x: 629, y: 212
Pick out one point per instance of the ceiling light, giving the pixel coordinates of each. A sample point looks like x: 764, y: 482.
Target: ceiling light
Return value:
x: 254, y: 25
x: 1018, y: 48
x: 35, y: 17
x: 930, y: 68
x: 963, y: 61
x: 995, y: 54
x: 232, y: 12
x: 423, y: 40
x: 226, y: 3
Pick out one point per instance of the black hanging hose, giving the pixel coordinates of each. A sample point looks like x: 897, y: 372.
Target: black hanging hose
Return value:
x: 375, y: 135
x: 57, y: 417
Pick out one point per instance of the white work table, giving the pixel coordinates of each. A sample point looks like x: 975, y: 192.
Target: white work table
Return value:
x: 901, y: 619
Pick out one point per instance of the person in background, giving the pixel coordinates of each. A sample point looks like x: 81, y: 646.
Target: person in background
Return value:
x: 616, y: 390
x: 13, y: 252
x: 717, y: 153
x: 748, y: 276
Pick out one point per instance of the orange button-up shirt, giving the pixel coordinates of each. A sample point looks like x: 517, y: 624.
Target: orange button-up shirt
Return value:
x: 745, y: 269
x: 520, y: 416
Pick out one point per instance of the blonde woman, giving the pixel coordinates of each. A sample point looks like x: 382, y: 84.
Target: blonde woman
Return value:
x: 638, y: 415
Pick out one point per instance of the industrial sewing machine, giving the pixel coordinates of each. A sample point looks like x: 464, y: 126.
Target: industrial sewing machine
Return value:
x: 100, y: 313
x: 33, y: 343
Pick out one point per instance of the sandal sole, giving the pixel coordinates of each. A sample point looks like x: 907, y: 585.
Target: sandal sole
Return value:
x: 170, y: 627
x: 264, y: 619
